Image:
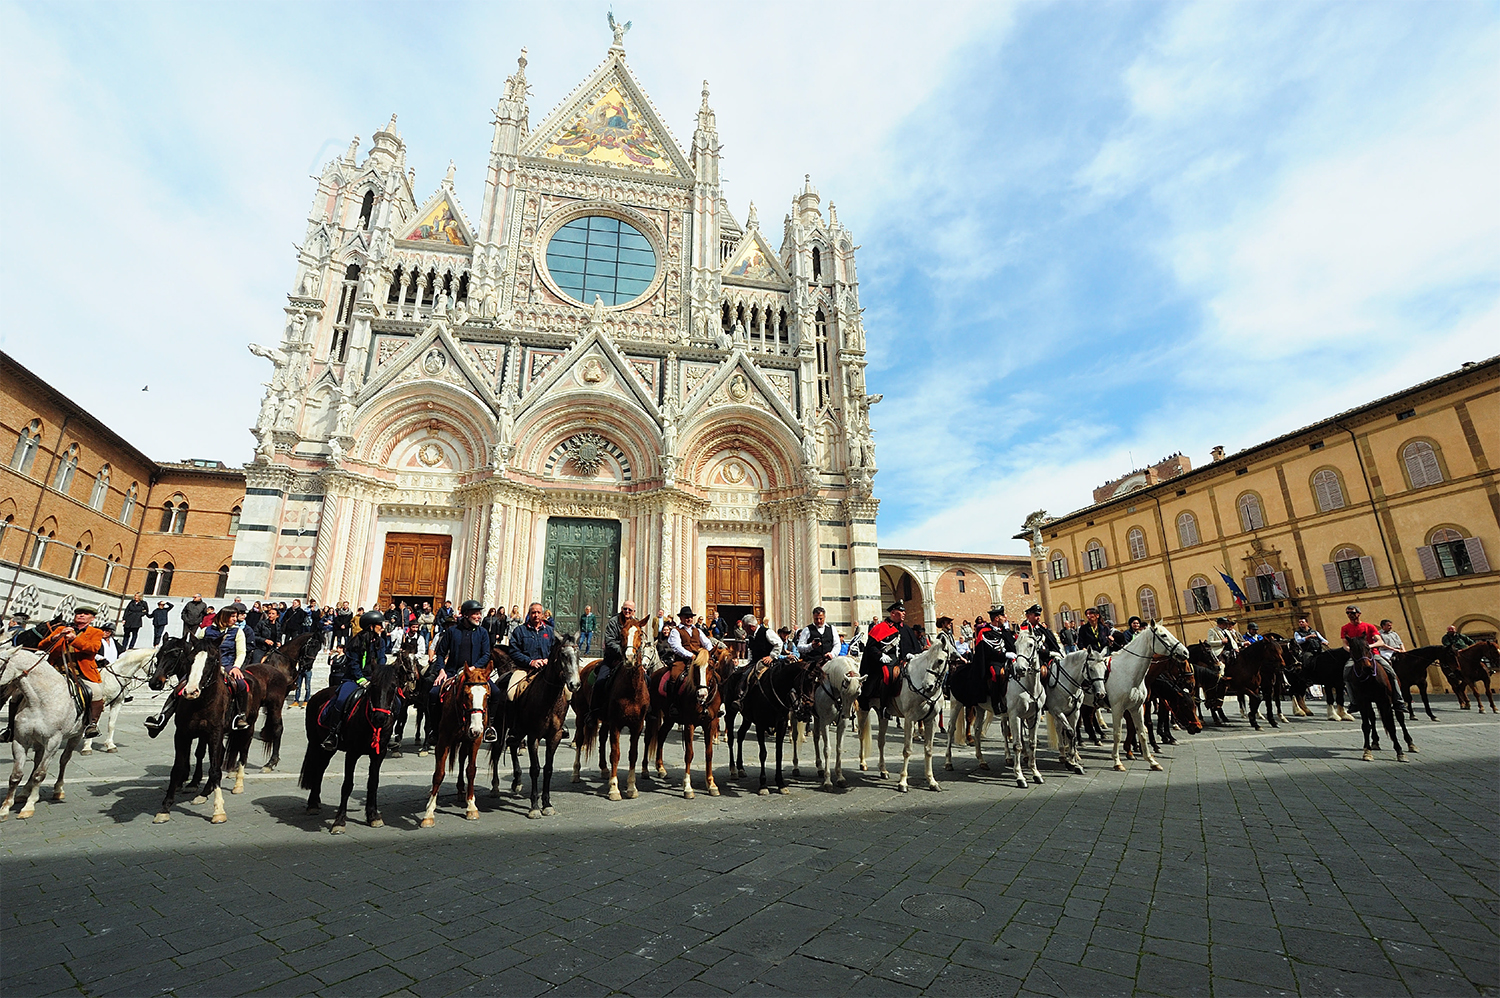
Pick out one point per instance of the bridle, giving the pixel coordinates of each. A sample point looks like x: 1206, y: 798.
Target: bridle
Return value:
x: 1077, y: 691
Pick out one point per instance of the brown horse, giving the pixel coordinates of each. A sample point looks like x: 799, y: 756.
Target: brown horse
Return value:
x: 202, y: 715
x: 1255, y: 671
x: 537, y: 712
x: 278, y: 673
x: 1411, y: 670
x: 1372, y: 687
x: 464, y: 715
x: 692, y: 703
x: 1474, y: 665
x: 626, y: 702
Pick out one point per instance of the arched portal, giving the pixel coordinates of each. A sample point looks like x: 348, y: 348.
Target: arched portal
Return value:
x: 897, y: 583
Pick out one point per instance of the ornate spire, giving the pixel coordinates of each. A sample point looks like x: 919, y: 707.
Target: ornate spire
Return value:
x: 516, y: 88
x: 352, y: 155
x: 753, y: 222
x: 448, y: 179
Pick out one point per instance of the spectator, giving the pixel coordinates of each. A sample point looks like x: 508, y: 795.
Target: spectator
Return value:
x: 135, y: 612
x: 342, y: 621
x: 587, y: 624
x: 193, y: 612
x: 160, y: 618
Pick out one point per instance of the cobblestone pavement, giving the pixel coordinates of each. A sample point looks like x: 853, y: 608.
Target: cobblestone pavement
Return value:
x: 1255, y: 864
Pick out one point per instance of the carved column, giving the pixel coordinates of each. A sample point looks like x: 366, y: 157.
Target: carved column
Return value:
x: 318, y: 583
x: 494, y: 540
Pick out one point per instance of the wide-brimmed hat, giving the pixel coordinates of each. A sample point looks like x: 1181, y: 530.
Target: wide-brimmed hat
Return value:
x: 686, y: 611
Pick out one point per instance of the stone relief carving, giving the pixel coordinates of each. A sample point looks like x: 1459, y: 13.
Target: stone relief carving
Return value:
x: 586, y: 451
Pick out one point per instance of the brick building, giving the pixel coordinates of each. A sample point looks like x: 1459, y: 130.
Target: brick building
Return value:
x: 83, y: 514
x: 951, y: 584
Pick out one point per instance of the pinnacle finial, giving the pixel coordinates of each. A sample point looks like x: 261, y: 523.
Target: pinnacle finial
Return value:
x: 451, y: 170
x: 392, y: 126
x: 619, y: 32
x: 353, y: 152
x: 753, y: 220
x: 705, y: 95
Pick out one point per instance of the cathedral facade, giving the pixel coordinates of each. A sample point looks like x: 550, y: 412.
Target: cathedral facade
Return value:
x: 603, y: 387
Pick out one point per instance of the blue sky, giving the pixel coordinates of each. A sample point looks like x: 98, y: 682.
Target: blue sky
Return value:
x: 1092, y: 234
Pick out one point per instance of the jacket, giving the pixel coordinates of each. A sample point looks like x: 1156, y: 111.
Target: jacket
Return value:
x: 81, y: 652
x: 162, y: 615
x: 886, y: 634
x: 135, y: 612
x: 463, y: 645
x: 528, y: 643
x: 360, y: 657
x: 193, y: 612
x: 614, y: 638
x: 811, y: 641
x: 763, y: 643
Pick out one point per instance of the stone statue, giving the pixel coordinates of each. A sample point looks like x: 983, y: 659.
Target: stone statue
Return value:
x: 265, y: 449
x: 506, y: 425
x: 275, y: 356
x: 344, y: 427
x: 366, y: 288
x: 299, y: 328
x: 669, y: 470
x: 267, y: 417
x: 809, y: 447
x: 618, y: 29
x: 335, y: 451
x: 310, y: 284
x: 597, y: 316
x: 287, y: 420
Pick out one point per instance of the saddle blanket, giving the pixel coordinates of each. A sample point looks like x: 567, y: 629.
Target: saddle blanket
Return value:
x: 516, y: 684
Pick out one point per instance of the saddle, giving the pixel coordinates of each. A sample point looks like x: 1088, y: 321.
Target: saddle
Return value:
x: 516, y: 683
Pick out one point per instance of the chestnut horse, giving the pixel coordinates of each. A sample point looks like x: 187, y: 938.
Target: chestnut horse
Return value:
x: 202, y: 715
x: 538, y: 713
x: 1474, y: 665
x: 693, y: 703
x: 627, y: 701
x: 463, y: 715
x: 278, y: 673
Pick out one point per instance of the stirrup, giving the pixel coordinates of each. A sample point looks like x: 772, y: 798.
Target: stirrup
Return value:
x: 154, y: 725
x: 330, y: 742
x: 491, y: 736
x: 5, y: 736
x: 240, y: 723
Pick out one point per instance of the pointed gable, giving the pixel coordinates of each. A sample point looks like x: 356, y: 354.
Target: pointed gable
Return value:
x: 609, y: 121
x: 752, y: 261
x: 440, y: 221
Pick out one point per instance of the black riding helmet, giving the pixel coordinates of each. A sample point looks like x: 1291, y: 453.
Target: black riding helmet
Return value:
x: 471, y: 606
x: 371, y: 619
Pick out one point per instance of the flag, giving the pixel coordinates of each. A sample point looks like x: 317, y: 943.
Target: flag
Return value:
x: 1239, y: 597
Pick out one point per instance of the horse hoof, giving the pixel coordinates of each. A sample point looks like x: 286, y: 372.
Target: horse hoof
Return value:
x: 112, y: 749
x: 784, y: 791
x: 1038, y: 780
x: 377, y: 823
x: 948, y: 767
x: 87, y: 751
x: 533, y: 813
x: 218, y: 819
x: 1155, y: 768
x: 268, y: 769
x: 841, y: 784
x: 26, y: 813
x: 884, y: 775
x: 576, y: 778
x: 1409, y: 747
x: 1077, y: 769
x: 763, y: 792
x: 863, y: 768
x: 1401, y: 757
x: 422, y: 754
x: 200, y: 800
x: 58, y: 797
x: 471, y: 815
x: 984, y: 765
x: 935, y: 786
x: 494, y: 791
x: 1021, y: 782
x: 615, y: 795
x: 237, y: 789
x: 1119, y: 767
x: 902, y: 788
x: 548, y: 811
x: 712, y: 792
x: 428, y: 822
x: 313, y: 809
x: 687, y: 795
x: 1369, y: 756
x: 337, y: 830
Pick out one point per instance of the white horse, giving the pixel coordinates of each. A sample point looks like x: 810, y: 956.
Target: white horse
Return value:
x: 1024, y: 698
x: 834, y: 703
x: 1078, y: 674
x: 47, y: 720
x: 917, y: 704
x: 1126, y: 683
x: 118, y: 678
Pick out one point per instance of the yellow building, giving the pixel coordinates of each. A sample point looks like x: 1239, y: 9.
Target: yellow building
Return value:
x: 1392, y: 506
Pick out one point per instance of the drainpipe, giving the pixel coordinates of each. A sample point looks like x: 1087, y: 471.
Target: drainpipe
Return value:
x: 1166, y: 554
x: 1384, y: 542
x: 37, y: 510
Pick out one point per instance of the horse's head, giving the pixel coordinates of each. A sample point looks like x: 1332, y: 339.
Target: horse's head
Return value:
x: 409, y: 643
x: 408, y: 670
x: 1093, y: 674
x: 474, y: 694
x: 170, y: 662
x: 202, y: 667
x: 843, y: 676
x: 564, y: 658
x: 1178, y: 689
x: 1488, y: 654
x: 1163, y: 640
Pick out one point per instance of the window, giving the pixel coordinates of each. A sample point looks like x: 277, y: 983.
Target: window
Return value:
x: 817, y: 263
x: 1187, y: 530
x: 1064, y: 616
x: 65, y: 470
x: 1348, y: 571
x: 601, y: 256
x: 38, y: 551
x: 26, y: 447
x: 1059, y: 567
x: 223, y: 583
x: 77, y: 565
x: 1146, y: 599
x: 109, y: 571
x: 1136, y: 541
x: 1251, y: 517
x: 101, y: 488
x: 820, y: 344
x: 10, y: 521
x: 159, y: 579
x: 1106, y: 608
x: 1093, y: 555
x: 127, y: 508
x: 1421, y: 464
x: 906, y: 587
x: 1328, y: 490
x: 1266, y: 586
x: 366, y: 209
x: 153, y: 572
x: 1201, y: 596
x: 1449, y: 553
x: 961, y: 580
x: 234, y: 522
x: 174, y: 516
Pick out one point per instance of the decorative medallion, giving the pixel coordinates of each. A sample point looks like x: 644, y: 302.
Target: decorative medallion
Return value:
x: 739, y: 387
x: 430, y: 454
x: 434, y: 362
x: 593, y: 371
x: 734, y: 473
x: 586, y: 451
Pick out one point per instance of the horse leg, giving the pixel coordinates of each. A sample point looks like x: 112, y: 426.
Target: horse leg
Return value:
x: 38, y: 774
x: 796, y: 768
x: 744, y: 728
x: 838, y: 752
x: 820, y: 741
x: 372, y: 793
x: 1116, y: 718
x: 215, y: 783
x: 1388, y: 713
x: 471, y: 809
x: 710, y: 735
x: 429, y: 817
x: 953, y: 731
x: 340, y: 817
x: 18, y: 755
x: 515, y: 774
x: 1422, y: 688
x: 908, y: 730
x: 183, y: 743
x: 884, y: 774
x: 547, y: 809
x: 781, y: 786
x: 1488, y: 692
x: 613, y: 790
x: 272, y: 733
x: 930, y: 724
x: 111, y: 715
x: 864, y: 739
x: 635, y: 744
x: 536, y: 777
x: 982, y: 715
x: 1400, y: 718
x: 760, y: 736
x: 688, y: 734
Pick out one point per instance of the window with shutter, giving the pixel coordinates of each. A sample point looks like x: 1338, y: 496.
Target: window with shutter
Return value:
x: 1280, y: 591
x: 1094, y: 555
x: 1367, y: 569
x: 1251, y: 516
x: 1421, y: 464
x: 1136, y: 539
x: 1475, y: 548
x: 1146, y: 599
x: 1427, y: 558
x: 1187, y: 530
x: 1331, y: 577
x: 1451, y: 554
x: 1329, y: 493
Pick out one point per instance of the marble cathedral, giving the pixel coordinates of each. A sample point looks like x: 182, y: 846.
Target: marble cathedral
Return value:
x: 603, y: 387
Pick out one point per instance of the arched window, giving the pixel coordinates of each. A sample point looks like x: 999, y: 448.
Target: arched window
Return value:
x: 168, y: 512
x: 26, y: 447
x: 1059, y: 567
x: 127, y: 508
x: 65, y: 470
x: 366, y: 209
x: 223, y: 584
x: 1449, y: 553
x: 817, y: 263
x: 10, y: 521
x: 1136, y: 540
x: 39, y: 548
x: 109, y: 571
x: 961, y: 580
x: 174, y: 515
x: 234, y: 521
x: 1349, y: 571
x: 153, y: 572
x: 1266, y: 585
x: 1106, y: 607
x: 1064, y: 615
x: 101, y: 488
x: 1187, y: 530
x: 164, y: 581
x: 1201, y: 595
x: 77, y: 564
x: 1251, y: 517
x: 1328, y: 490
x: 179, y: 521
x: 820, y: 342
x: 1421, y: 464
x: 1094, y: 556
x: 1146, y: 600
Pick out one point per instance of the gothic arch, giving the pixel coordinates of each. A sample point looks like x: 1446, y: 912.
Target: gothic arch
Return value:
x: 390, y: 418
x: 746, y: 429
x: 617, y: 419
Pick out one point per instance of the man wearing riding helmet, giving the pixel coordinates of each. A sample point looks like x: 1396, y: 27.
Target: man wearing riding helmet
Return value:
x: 362, y: 655
x: 461, y: 646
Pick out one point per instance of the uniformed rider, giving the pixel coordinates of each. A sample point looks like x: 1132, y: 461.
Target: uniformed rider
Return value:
x: 889, y: 643
x: 364, y: 652
x: 1048, y: 649
x: 462, y: 645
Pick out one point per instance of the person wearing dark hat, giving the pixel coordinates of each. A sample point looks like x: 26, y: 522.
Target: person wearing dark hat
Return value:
x: 1094, y: 635
x: 464, y: 644
x: 1047, y: 644
x: 19, y: 623
x: 161, y: 618
x: 362, y: 655
x: 1222, y: 639
x: 234, y: 652
x: 686, y: 643
x: 890, y: 643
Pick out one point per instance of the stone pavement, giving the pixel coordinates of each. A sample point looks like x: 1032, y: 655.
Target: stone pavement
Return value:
x: 1255, y: 864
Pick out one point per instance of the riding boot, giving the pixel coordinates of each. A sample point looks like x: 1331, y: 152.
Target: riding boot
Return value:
x: 96, y: 708
x: 154, y: 725
x: 10, y: 721
x: 237, y: 708
x: 331, y: 740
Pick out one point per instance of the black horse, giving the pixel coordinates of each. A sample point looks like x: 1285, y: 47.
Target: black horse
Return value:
x: 769, y: 700
x: 1375, y: 691
x: 367, y: 731
x: 201, y: 715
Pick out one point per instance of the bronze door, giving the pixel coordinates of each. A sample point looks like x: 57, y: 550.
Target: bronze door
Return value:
x: 581, y: 568
x: 415, y: 568
x: 736, y: 580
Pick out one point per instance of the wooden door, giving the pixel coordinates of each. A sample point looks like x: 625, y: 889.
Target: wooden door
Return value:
x: 736, y: 578
x: 415, y: 568
x: 581, y: 568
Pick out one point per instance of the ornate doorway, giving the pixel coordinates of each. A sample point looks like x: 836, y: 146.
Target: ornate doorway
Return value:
x: 737, y: 581
x: 415, y: 568
x: 581, y: 568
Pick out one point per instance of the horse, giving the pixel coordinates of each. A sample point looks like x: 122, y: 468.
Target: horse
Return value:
x: 1411, y: 670
x: 692, y: 704
x: 1254, y: 671
x: 538, y: 713
x: 202, y: 715
x: 367, y: 731
x: 47, y: 720
x: 1373, y: 685
x: 980, y: 686
x: 1077, y: 675
x: 1171, y: 695
x: 1125, y: 682
x: 411, y: 647
x: 627, y: 701
x: 117, y: 679
x: 278, y: 672
x: 465, y: 714
x: 1324, y: 666
x: 1474, y: 665
x: 1025, y: 696
x: 834, y: 703
x: 916, y: 704
x: 771, y: 696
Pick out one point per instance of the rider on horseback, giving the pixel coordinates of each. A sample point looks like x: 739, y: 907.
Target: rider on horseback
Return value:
x: 688, y: 643
x: 817, y: 643
x: 614, y: 652
x: 1222, y: 638
x: 233, y: 650
x: 890, y: 643
x: 1369, y: 634
x: 74, y: 651
x: 463, y: 645
x: 364, y: 652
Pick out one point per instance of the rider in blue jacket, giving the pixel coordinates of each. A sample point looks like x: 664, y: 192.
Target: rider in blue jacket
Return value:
x: 362, y: 655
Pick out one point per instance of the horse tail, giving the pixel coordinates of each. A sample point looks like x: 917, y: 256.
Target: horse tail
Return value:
x: 312, y: 771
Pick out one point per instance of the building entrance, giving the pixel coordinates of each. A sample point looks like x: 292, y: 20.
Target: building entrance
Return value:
x: 736, y: 582
x: 581, y: 568
x: 415, y: 568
